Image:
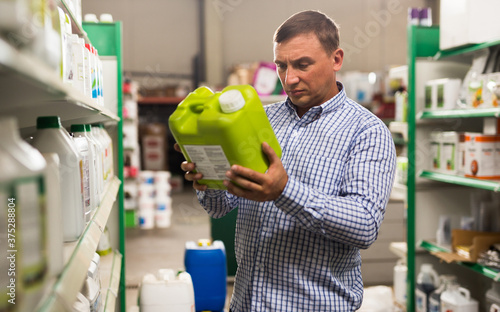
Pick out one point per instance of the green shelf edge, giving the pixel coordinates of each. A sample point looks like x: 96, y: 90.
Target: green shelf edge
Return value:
x: 483, y: 270
x: 465, y: 49
x: 464, y: 181
x: 460, y: 113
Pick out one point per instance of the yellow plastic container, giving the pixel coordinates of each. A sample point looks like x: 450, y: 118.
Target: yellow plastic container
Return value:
x: 217, y: 130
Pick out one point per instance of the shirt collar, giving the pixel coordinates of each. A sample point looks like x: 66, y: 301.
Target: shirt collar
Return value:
x: 332, y: 104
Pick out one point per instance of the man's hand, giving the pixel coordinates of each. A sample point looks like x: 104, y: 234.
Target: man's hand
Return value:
x: 190, y: 175
x: 258, y: 186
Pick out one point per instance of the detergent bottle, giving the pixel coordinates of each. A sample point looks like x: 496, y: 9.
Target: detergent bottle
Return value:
x: 217, y: 130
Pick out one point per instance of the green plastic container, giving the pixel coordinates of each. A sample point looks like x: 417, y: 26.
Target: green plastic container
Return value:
x: 217, y: 130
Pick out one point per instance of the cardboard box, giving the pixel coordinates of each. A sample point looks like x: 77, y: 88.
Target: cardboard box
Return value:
x: 476, y: 243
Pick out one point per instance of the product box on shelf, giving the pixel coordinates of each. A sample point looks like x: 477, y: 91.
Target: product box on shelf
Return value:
x: 480, y: 161
x: 435, y: 141
x: 442, y: 93
x: 468, y: 245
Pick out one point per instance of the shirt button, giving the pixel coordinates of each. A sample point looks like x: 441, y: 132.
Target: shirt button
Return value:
x: 264, y: 229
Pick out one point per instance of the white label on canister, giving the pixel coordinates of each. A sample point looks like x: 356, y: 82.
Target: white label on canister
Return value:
x: 210, y: 160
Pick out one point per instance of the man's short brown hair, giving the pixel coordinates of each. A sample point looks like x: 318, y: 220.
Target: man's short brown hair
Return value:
x: 310, y: 21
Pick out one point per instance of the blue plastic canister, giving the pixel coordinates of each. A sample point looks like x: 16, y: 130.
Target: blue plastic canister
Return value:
x: 206, y: 262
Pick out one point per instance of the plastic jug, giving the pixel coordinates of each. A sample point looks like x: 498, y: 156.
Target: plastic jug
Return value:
x: 493, y: 297
x: 457, y: 299
x: 99, y: 156
x: 217, y: 130
x: 435, y: 296
x: 93, y: 168
x: 427, y: 282
x: 166, y: 292
x: 83, y: 148
x: 206, y: 262
x: 400, y: 277
x: 55, y: 243
x: 52, y: 138
x: 23, y: 223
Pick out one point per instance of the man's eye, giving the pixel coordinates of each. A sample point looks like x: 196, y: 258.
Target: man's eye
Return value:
x: 281, y: 66
x: 303, y: 66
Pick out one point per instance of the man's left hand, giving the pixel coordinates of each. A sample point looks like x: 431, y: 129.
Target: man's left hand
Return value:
x: 258, y: 186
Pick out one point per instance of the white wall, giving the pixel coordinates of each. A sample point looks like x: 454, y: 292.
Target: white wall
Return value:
x: 158, y: 35
x: 162, y: 35
x: 372, y: 32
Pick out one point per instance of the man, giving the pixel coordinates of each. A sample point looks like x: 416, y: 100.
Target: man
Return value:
x: 301, y: 224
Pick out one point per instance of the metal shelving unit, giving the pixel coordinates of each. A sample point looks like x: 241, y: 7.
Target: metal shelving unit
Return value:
x: 78, y: 256
x: 450, y: 195
x: 30, y: 89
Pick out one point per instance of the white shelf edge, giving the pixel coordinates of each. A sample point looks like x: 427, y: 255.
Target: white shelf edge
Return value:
x: 110, y: 268
x: 400, y: 249
x: 399, y: 127
x: 64, y: 291
x: 399, y: 192
x: 31, y: 67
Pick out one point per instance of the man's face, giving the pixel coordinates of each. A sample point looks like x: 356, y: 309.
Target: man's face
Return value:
x: 306, y: 71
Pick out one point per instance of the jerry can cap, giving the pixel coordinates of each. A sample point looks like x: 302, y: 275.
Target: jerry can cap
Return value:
x: 204, y: 242
x: 231, y: 101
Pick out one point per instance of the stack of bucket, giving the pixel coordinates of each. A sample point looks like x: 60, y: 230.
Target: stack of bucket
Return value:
x: 155, y: 203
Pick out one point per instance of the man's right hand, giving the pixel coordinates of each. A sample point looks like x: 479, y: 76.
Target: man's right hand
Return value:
x: 190, y: 175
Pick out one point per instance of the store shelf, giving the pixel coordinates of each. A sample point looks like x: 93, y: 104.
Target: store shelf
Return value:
x: 160, y: 100
x: 460, y: 113
x: 481, y: 269
x: 78, y: 255
x: 465, y: 49
x: 110, y: 268
x: 490, y: 185
x: 47, y: 95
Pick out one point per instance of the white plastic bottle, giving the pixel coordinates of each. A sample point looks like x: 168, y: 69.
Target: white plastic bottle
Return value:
x: 22, y: 189
x: 92, y: 292
x: 458, y: 299
x: 163, y: 212
x: 78, y: 64
x: 435, y: 296
x: 400, y: 278
x: 93, y: 167
x: 55, y: 247
x: 99, y: 150
x: 111, y: 171
x: 88, y: 68
x: 97, y: 135
x: 427, y: 282
x: 493, y: 297
x: 108, y: 158
x: 52, y: 138
x: 167, y: 292
x: 82, y: 146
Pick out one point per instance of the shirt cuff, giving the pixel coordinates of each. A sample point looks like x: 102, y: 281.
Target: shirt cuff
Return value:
x: 293, y: 198
x: 208, y: 193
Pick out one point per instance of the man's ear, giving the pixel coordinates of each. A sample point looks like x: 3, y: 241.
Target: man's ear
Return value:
x: 338, y: 58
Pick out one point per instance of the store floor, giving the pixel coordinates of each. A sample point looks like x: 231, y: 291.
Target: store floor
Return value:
x: 150, y: 250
